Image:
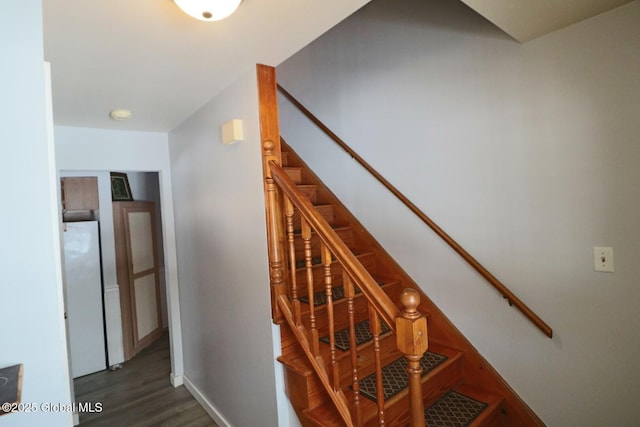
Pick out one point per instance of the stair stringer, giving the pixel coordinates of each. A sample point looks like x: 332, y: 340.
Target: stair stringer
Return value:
x: 476, y: 370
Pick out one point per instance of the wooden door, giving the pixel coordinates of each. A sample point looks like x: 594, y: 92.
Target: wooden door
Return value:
x: 138, y: 274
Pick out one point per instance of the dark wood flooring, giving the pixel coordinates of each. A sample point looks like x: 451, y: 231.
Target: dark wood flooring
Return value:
x: 140, y: 394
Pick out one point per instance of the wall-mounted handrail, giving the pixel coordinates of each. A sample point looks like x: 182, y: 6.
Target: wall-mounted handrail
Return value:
x: 510, y: 296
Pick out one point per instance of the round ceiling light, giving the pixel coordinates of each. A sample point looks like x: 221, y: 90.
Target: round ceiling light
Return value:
x: 208, y: 10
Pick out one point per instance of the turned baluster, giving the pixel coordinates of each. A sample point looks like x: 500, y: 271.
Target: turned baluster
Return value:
x: 288, y: 212
x: 376, y: 329
x: 326, y: 263
x: 349, y: 291
x: 412, y: 340
x: 306, y: 237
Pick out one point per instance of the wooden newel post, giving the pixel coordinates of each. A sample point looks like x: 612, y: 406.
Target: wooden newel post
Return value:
x: 411, y: 333
x: 275, y: 236
x: 270, y: 147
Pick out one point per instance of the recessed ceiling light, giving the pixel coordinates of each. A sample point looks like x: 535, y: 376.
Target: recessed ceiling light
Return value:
x: 120, y: 114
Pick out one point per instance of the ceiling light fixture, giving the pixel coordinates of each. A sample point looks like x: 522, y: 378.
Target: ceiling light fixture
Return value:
x: 208, y: 10
x: 120, y: 114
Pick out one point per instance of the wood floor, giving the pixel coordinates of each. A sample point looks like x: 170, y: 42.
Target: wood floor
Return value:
x: 140, y: 394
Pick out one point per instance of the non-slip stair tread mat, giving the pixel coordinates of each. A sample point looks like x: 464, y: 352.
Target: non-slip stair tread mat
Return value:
x: 363, y: 334
x: 337, y: 293
x: 320, y: 297
x: 301, y: 263
x: 395, y: 377
x: 453, y: 410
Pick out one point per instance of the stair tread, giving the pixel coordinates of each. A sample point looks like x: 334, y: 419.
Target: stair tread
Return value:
x: 320, y: 297
x: 317, y: 260
x: 362, y: 331
x: 464, y: 405
x: 324, y: 415
x: 451, y: 364
x: 395, y: 377
x: 319, y: 205
x: 336, y: 228
x: 298, y: 364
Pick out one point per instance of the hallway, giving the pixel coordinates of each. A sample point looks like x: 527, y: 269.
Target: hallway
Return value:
x: 140, y: 394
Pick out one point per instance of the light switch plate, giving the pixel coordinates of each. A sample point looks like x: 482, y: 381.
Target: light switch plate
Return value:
x: 603, y: 259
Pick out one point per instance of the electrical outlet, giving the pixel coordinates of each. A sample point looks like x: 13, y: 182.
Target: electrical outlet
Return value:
x: 603, y: 259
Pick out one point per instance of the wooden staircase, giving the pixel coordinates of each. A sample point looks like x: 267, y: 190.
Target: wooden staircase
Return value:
x: 459, y: 387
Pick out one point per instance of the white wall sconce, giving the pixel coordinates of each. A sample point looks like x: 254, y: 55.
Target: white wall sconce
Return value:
x: 208, y: 10
x: 232, y: 132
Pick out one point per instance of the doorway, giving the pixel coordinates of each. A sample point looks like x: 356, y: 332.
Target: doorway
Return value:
x: 140, y: 261
x: 147, y: 185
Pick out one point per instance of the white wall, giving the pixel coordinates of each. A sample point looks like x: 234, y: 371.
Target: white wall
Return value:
x: 31, y: 312
x: 527, y: 154
x: 222, y: 255
x: 86, y: 149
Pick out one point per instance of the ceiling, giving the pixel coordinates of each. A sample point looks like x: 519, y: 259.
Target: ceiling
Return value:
x: 151, y: 58
x: 525, y: 20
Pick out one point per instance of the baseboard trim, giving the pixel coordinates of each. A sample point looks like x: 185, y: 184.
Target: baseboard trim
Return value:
x: 204, y: 402
x: 176, y: 380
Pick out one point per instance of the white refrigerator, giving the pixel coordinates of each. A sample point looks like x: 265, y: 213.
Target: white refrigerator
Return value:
x: 83, y: 294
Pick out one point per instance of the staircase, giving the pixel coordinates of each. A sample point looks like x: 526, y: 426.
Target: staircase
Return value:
x: 336, y: 384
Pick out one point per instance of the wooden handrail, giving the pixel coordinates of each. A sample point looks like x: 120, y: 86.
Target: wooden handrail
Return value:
x: 369, y: 287
x: 510, y: 296
x: 409, y: 325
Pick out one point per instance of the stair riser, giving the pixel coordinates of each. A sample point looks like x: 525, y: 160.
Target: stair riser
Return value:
x: 442, y: 382
x: 326, y: 211
x: 295, y: 174
x: 304, y: 390
x: 290, y: 346
x: 310, y: 192
x: 491, y: 419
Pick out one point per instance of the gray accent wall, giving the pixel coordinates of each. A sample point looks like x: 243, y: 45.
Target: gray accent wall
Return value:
x: 526, y: 154
x: 222, y: 260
